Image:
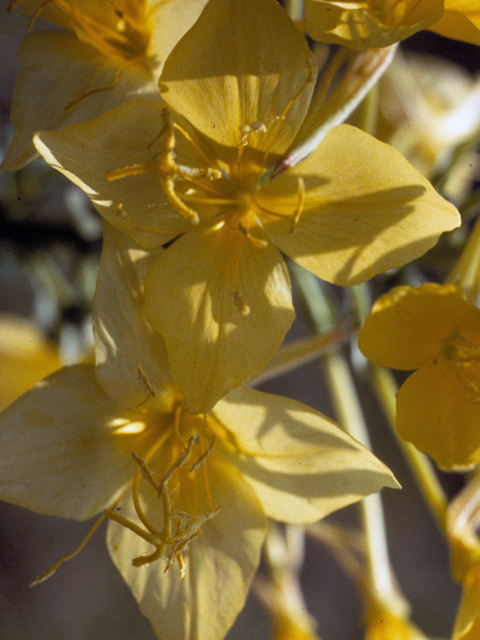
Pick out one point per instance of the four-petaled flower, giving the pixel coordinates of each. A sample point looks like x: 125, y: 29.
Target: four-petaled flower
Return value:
x: 434, y: 329
x: 197, y: 490
x: 202, y: 165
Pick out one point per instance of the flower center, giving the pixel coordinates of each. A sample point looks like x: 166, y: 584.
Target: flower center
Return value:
x: 175, y: 467
x: 115, y: 27
x: 464, y: 356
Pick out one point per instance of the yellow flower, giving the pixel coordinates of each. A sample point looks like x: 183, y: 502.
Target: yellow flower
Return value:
x: 107, y: 53
x: 202, y: 167
x: 435, y: 330
x: 379, y: 23
x: 25, y: 356
x: 194, y: 497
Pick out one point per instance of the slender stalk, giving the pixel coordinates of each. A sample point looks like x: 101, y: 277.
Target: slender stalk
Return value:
x: 350, y: 416
x: 369, y: 111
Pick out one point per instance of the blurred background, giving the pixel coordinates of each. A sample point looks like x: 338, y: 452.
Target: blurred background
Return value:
x: 50, y: 242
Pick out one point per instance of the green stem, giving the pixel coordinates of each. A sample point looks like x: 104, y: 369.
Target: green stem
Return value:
x: 368, y: 111
x: 350, y: 416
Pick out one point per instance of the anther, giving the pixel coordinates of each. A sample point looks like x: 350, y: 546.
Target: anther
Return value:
x: 299, y: 209
x: 240, y: 303
x: 146, y: 382
x: 205, y: 455
x: 179, y: 528
x: 257, y: 242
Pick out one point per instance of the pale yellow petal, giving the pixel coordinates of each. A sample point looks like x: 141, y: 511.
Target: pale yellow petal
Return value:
x: 366, y: 209
x: 87, y: 152
x: 61, y: 452
x: 25, y: 357
x: 359, y: 25
x: 240, y: 64
x: 439, y: 413
x: 131, y: 358
x: 219, y: 563
x: 180, y: 16
x: 301, y: 464
x: 223, y: 306
x: 56, y: 71
x: 409, y: 326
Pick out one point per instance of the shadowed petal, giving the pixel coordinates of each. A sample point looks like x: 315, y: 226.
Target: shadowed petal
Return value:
x: 301, y: 464
x: 366, y: 209
x: 359, y: 25
x: 241, y: 63
x: 439, y: 415
x: 61, y: 452
x: 87, y: 152
x: 220, y: 562
x: 223, y: 306
x: 130, y: 356
x: 51, y: 60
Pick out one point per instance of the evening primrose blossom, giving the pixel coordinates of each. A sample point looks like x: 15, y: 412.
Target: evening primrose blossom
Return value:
x: 107, y: 53
x: 434, y: 329
x: 186, y: 495
x: 206, y: 165
x: 380, y: 23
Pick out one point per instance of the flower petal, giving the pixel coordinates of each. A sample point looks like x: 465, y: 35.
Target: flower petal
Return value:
x: 460, y: 21
x: 194, y: 294
x: 220, y: 563
x: 61, y: 454
x: 25, y: 356
x: 366, y: 209
x: 240, y: 64
x: 128, y: 352
x: 368, y: 24
x: 437, y: 413
x: 301, y: 464
x: 408, y: 326
x: 61, y: 69
x: 87, y: 152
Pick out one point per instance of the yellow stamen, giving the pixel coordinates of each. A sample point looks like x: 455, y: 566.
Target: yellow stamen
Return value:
x: 299, y: 209
x: 281, y: 118
x: 148, y: 386
x: 237, y: 296
x: 92, y: 92
x: 179, y: 528
x: 123, y: 214
x: 68, y: 556
x: 195, y: 145
x: 165, y: 167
